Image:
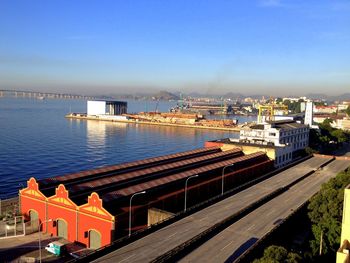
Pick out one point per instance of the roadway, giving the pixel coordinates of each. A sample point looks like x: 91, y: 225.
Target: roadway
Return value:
x: 237, y: 238
x: 156, y: 244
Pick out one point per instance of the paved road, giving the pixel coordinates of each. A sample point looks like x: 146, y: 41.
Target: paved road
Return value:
x: 237, y: 238
x: 163, y: 240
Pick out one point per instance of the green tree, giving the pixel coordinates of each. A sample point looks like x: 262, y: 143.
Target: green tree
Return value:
x: 347, y: 111
x: 325, y: 213
x: 277, y: 254
x: 326, y: 124
x: 279, y: 100
x: 339, y: 135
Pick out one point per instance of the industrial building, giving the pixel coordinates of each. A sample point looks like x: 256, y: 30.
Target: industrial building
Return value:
x: 104, y: 107
x: 281, y: 140
x: 98, y: 206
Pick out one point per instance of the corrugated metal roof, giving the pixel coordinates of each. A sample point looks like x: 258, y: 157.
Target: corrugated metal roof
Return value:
x: 105, y: 183
x: 171, y: 178
x: 254, y: 166
x: 53, y: 181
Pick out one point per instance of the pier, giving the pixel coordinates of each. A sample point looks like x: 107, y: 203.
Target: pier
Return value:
x: 84, y: 116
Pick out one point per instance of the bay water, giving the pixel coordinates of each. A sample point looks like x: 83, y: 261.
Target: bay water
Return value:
x: 37, y: 141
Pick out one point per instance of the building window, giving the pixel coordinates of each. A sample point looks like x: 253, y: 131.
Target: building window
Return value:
x: 272, y: 134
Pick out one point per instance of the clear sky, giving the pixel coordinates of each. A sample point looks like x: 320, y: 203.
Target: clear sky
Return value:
x: 119, y: 46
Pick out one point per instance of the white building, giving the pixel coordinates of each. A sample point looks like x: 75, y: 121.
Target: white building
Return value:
x: 103, y: 107
x: 309, y: 113
x: 289, y: 136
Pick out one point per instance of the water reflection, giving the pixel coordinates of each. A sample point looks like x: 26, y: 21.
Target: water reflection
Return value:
x: 181, y: 131
x: 97, y: 133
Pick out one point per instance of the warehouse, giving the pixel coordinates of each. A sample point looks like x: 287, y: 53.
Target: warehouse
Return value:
x: 106, y: 107
x: 92, y: 207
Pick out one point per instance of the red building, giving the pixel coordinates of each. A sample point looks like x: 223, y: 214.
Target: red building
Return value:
x: 92, y: 207
x: 89, y: 223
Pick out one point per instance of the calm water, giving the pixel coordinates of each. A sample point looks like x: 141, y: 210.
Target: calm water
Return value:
x: 36, y: 140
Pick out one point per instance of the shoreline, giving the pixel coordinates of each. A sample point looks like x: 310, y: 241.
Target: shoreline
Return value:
x: 97, y: 118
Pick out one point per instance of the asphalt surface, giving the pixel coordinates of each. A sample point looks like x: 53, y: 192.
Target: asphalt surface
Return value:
x: 11, y: 249
x: 237, y: 238
x: 169, y: 237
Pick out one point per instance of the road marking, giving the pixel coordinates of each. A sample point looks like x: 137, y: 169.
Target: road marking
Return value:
x: 270, y: 212
x: 127, y: 258
x: 226, y: 246
x: 253, y: 225
x: 171, y: 236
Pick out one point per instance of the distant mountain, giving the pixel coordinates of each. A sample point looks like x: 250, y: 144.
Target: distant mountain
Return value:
x: 317, y: 96
x: 165, y: 95
x: 320, y: 96
x: 345, y: 96
x: 195, y: 95
x: 234, y: 95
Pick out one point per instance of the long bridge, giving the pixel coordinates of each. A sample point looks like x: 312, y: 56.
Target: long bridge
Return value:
x: 41, y: 95
x: 227, y: 230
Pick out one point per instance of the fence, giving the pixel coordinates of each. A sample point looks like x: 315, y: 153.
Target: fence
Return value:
x: 12, y: 227
x: 11, y: 223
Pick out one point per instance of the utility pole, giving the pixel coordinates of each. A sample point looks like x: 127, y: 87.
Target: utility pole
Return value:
x: 321, y: 241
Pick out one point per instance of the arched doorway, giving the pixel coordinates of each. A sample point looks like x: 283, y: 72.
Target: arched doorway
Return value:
x: 34, y: 220
x: 94, y: 239
x: 62, y: 228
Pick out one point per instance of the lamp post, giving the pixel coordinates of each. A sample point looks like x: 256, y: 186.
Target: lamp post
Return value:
x: 196, y: 175
x: 139, y: 193
x: 222, y: 178
x: 39, y: 237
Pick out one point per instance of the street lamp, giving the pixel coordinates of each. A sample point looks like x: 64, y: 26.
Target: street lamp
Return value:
x: 39, y: 237
x: 196, y: 175
x: 222, y: 178
x: 139, y: 193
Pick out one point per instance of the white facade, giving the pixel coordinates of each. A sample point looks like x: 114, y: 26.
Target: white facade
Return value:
x: 96, y: 107
x: 99, y: 107
x: 287, y: 137
x: 309, y: 113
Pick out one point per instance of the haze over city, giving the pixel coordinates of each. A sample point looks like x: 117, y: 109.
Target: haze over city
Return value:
x: 103, y: 47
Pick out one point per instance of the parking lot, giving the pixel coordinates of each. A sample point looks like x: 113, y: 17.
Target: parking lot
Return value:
x: 26, y: 249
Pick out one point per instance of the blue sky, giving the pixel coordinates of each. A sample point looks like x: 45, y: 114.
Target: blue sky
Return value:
x: 248, y: 46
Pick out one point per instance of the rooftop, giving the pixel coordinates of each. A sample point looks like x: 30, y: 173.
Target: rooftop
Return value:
x: 115, y: 184
x: 112, y: 101
x: 281, y: 124
x: 249, y: 143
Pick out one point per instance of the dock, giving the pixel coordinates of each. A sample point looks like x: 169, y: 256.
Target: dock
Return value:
x: 83, y: 116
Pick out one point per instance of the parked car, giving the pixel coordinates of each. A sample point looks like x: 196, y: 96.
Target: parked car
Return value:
x: 57, y: 248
